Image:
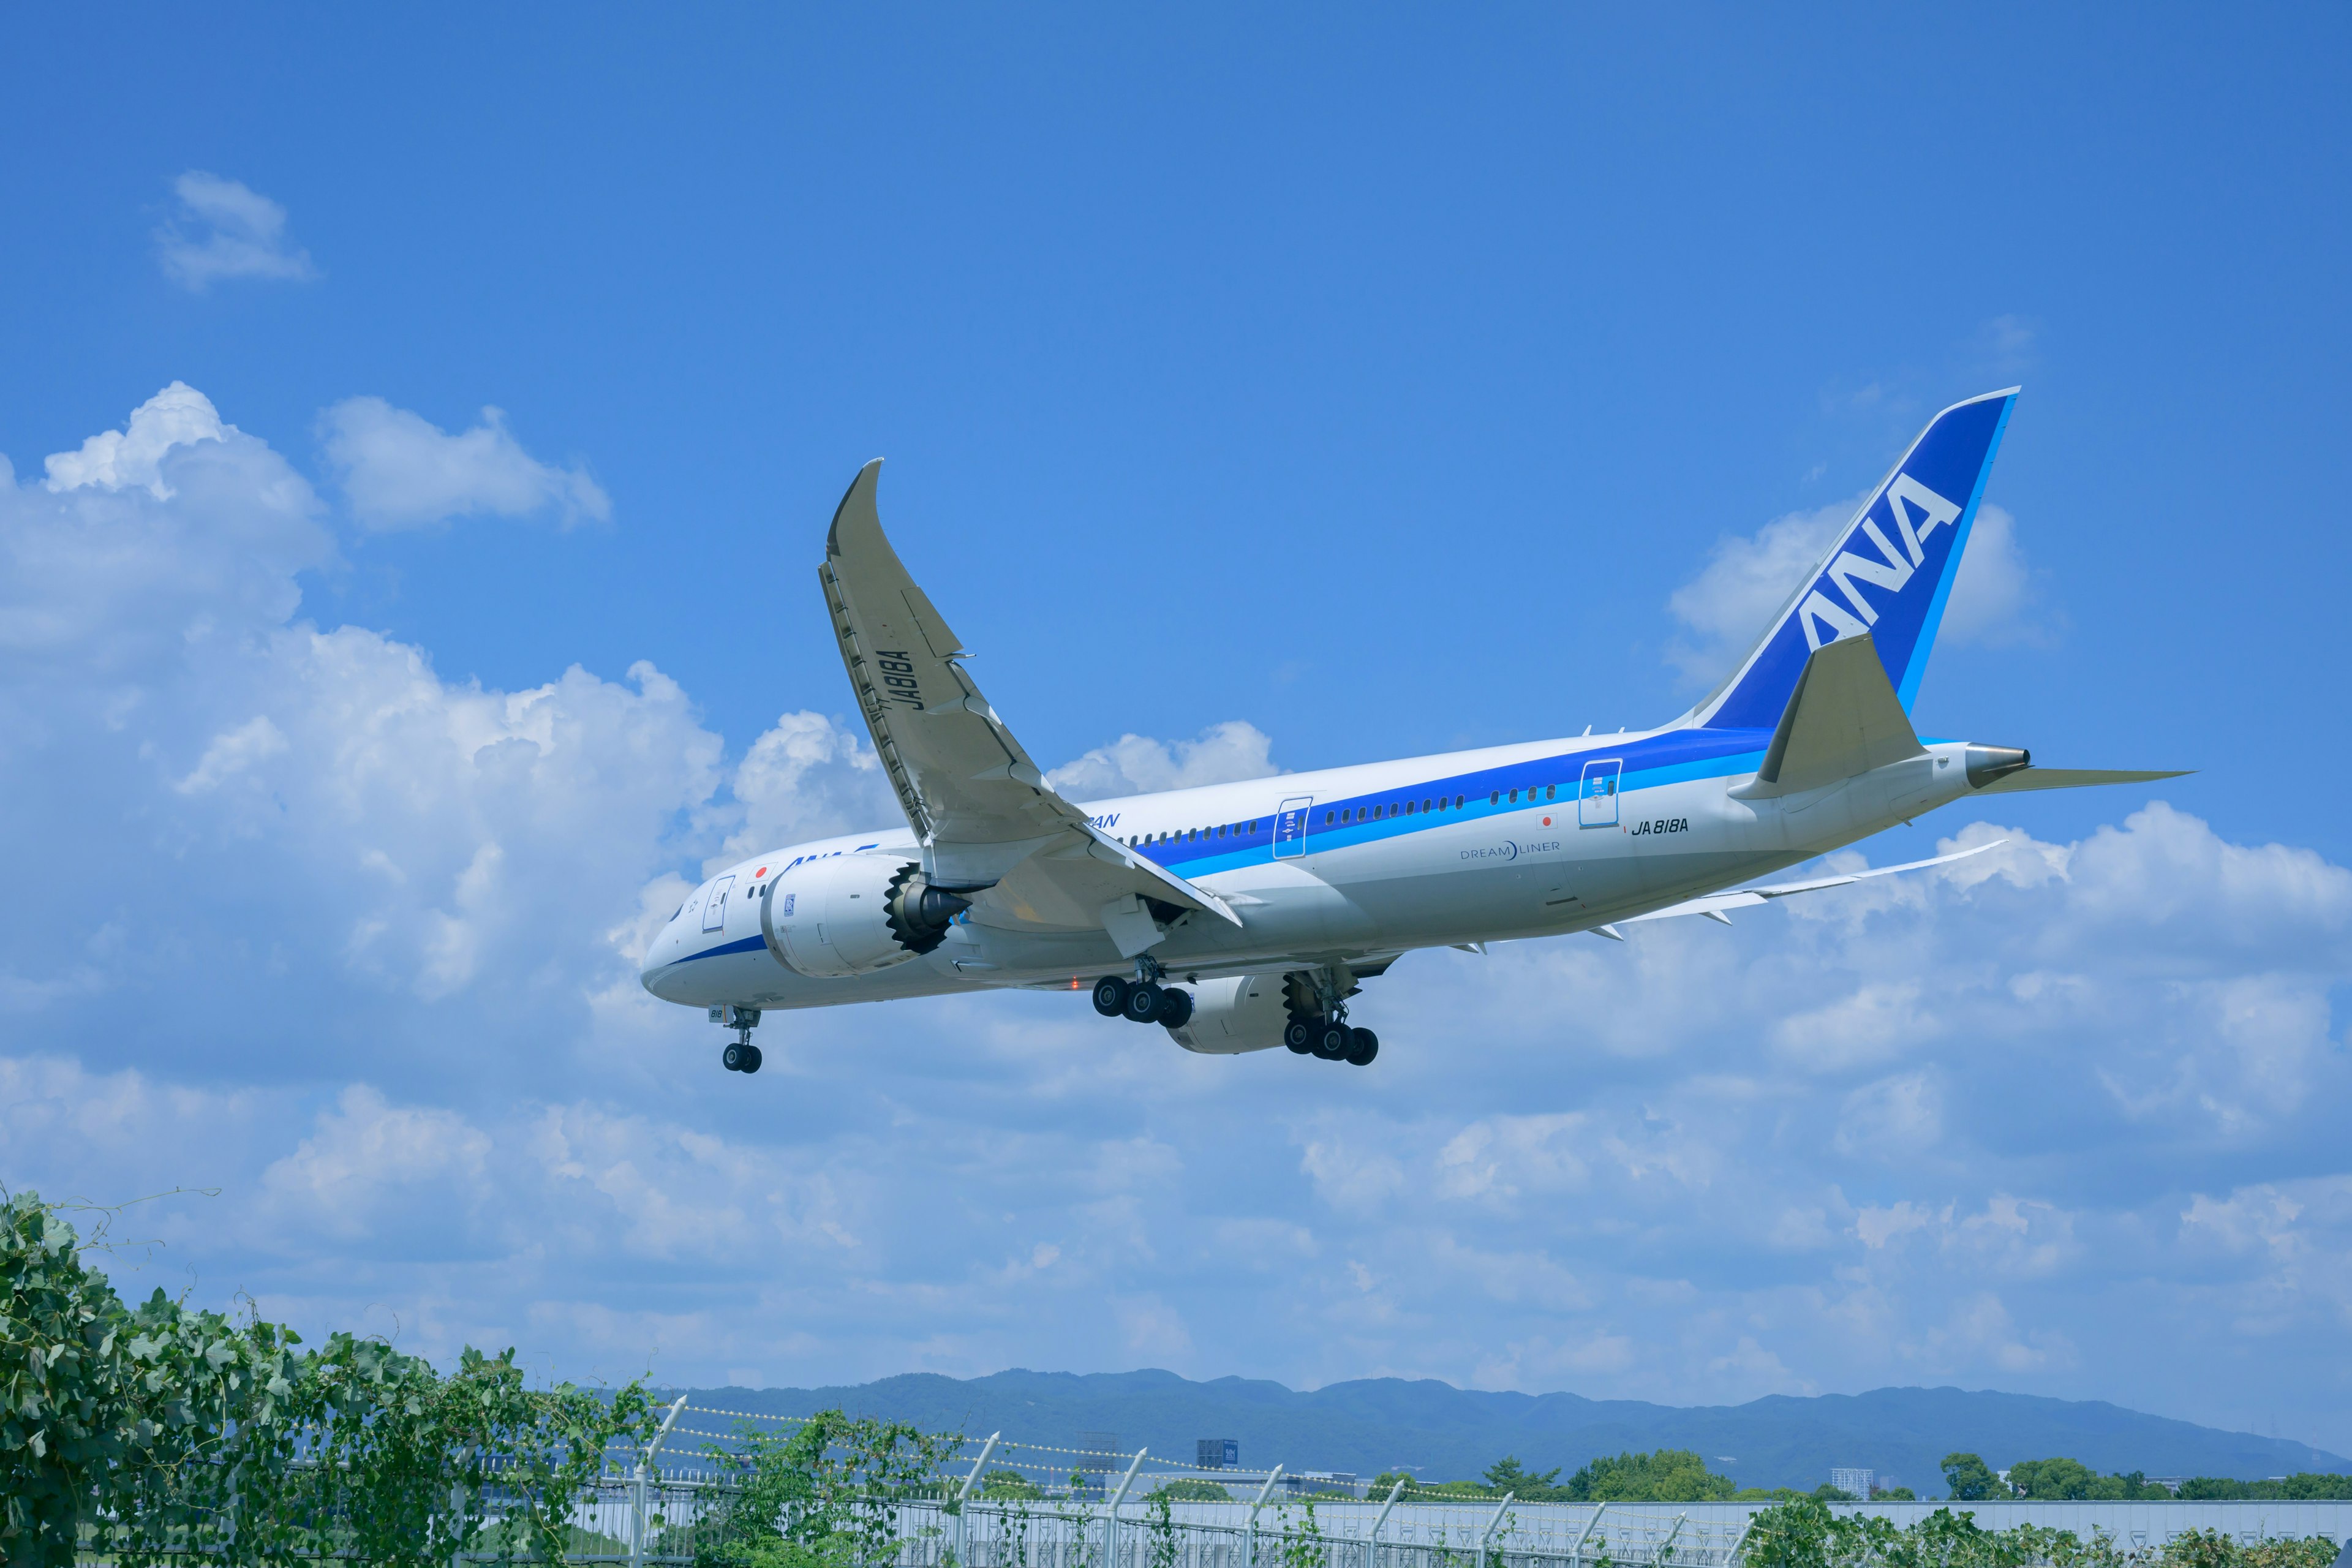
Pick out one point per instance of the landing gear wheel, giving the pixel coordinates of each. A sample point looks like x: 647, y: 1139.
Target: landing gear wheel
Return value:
x: 732, y: 1058
x: 1332, y: 1043
x: 1363, y: 1046
x: 1175, y: 1008
x: 1110, y: 995
x: 751, y: 1059
x: 1143, y: 1002
x: 1299, y: 1033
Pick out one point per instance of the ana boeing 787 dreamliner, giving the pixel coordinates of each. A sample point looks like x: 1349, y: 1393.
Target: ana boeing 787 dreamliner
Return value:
x: 1243, y: 916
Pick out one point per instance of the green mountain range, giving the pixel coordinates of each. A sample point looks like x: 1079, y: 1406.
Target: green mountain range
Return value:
x: 1439, y: 1432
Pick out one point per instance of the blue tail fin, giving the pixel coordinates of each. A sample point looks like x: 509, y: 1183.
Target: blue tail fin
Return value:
x: 1888, y: 573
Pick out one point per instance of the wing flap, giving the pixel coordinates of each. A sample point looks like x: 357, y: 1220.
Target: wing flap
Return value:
x: 988, y: 822
x: 1718, y: 905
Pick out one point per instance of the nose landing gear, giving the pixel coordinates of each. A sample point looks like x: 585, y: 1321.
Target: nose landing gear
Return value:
x: 740, y: 1053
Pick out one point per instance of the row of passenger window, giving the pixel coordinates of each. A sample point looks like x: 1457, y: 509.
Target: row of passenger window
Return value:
x: 1439, y: 803
x: 1341, y: 815
x: 1193, y: 835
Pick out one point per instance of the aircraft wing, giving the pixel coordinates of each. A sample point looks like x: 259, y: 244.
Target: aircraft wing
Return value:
x: 979, y: 806
x: 1716, y: 906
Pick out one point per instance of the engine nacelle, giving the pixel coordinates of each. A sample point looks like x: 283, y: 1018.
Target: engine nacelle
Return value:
x: 855, y: 914
x: 1230, y: 1016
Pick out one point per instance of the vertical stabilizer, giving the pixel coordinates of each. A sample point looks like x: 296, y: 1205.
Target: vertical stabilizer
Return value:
x: 1888, y: 574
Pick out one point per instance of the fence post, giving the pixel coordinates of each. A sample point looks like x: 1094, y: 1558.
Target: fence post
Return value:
x: 1249, y: 1541
x: 1373, y: 1542
x: 1488, y: 1533
x: 1731, y: 1558
x: 638, y: 1507
x: 962, y: 1533
x: 1576, y: 1552
x: 1111, y: 1515
x: 1666, y: 1547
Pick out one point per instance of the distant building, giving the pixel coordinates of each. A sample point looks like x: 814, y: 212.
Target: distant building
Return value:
x: 2170, y: 1483
x: 1219, y: 1454
x: 1854, y: 1481
x: 1317, y: 1481
x: 1098, y: 1456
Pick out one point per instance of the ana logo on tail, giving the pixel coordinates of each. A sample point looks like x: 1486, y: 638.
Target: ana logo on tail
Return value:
x: 1891, y: 573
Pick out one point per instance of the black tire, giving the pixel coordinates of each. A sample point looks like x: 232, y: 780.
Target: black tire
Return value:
x: 1175, y: 1008
x: 1301, y: 1032
x: 753, y: 1058
x: 732, y: 1058
x: 1332, y: 1043
x: 1110, y: 995
x: 1143, y: 1003
x: 1365, y: 1047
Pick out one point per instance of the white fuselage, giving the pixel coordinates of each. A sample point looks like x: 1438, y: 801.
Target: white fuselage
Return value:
x: 1348, y: 865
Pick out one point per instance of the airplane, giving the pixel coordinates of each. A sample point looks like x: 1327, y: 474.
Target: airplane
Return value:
x: 1238, y: 917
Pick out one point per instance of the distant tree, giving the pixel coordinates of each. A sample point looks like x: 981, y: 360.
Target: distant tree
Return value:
x: 1386, y: 1479
x: 1969, y: 1479
x: 2306, y: 1487
x: 1189, y: 1491
x: 2046, y: 1480
x: 1893, y: 1494
x: 1828, y: 1493
x: 1668, y: 1475
x: 2311, y: 1486
x: 1508, y: 1475
x: 2071, y: 1479
x: 1010, y: 1486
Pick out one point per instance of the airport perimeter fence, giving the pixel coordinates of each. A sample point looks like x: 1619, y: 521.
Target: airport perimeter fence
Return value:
x: 997, y: 1504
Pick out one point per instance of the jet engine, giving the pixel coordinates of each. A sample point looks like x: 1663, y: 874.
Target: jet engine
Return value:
x: 855, y: 914
x: 1230, y: 1016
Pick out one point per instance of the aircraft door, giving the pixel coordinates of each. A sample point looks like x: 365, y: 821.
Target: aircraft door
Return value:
x: 1596, y: 795
x: 1290, y: 827
x: 714, y: 907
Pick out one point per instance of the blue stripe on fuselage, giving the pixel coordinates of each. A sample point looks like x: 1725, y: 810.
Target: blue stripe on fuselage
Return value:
x: 1673, y: 757
x: 749, y: 945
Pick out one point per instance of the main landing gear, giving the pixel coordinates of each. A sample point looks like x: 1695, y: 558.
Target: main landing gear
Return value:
x: 1143, y: 1000
x: 1331, y: 1038
x: 1319, y: 1026
x: 739, y: 1055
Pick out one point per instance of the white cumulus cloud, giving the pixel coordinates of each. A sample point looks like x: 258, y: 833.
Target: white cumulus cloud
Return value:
x: 1748, y: 578
x: 1138, y: 764
x: 224, y: 228
x: 400, y: 470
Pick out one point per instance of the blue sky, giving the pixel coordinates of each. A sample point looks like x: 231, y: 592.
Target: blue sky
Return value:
x: 1261, y: 392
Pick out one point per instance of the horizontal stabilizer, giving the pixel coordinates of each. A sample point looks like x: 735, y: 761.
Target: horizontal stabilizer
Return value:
x: 1714, y: 905
x: 1843, y: 718
x: 2075, y: 778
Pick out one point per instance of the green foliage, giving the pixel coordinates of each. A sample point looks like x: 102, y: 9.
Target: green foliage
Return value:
x: 1189, y: 1491
x: 825, y: 1496
x: 1894, y: 1494
x: 1507, y: 1475
x: 1968, y: 1479
x: 1010, y: 1486
x: 2043, y: 1479
x: 2304, y: 1486
x: 1669, y: 1475
x: 161, y: 1432
x: 1806, y: 1534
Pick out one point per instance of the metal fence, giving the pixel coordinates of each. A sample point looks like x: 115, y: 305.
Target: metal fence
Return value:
x: 1006, y: 1505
